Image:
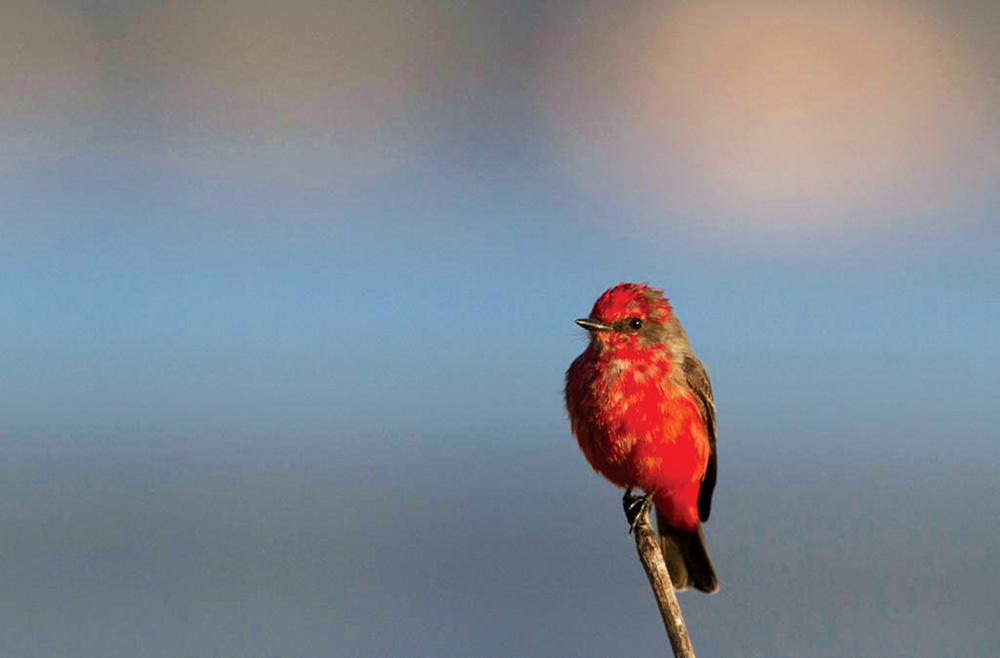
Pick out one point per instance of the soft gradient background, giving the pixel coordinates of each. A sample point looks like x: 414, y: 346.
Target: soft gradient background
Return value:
x: 287, y: 298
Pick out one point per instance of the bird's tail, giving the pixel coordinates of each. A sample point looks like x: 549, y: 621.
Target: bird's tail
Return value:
x: 686, y: 556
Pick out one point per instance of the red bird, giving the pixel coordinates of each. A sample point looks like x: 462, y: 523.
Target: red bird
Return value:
x: 641, y: 406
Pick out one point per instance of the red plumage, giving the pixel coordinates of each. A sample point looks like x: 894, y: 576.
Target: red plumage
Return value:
x: 641, y: 407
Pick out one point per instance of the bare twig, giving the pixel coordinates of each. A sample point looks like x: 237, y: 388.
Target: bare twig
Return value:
x: 648, y: 548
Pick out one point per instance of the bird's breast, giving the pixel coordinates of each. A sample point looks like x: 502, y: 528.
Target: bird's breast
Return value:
x: 632, y: 418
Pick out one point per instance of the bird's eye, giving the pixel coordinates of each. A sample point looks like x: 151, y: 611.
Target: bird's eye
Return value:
x: 635, y: 324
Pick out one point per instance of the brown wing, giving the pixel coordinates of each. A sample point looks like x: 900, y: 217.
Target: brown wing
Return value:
x: 698, y: 381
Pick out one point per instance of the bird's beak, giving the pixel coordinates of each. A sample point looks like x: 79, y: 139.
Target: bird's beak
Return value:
x: 591, y: 325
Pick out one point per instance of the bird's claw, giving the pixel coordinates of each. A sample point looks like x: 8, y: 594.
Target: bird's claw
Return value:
x: 636, y: 508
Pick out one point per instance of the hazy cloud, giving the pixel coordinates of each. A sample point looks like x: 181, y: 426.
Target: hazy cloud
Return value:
x: 776, y: 119
x: 312, y: 91
x: 50, y: 81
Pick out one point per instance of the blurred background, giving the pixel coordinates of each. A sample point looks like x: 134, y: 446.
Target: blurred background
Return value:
x: 287, y: 299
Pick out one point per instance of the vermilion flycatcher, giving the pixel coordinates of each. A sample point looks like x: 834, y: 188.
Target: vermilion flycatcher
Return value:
x: 641, y: 406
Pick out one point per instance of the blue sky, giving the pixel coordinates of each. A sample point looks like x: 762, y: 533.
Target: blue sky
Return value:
x: 288, y: 299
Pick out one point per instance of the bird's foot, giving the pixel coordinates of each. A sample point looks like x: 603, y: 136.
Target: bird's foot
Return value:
x: 636, y: 507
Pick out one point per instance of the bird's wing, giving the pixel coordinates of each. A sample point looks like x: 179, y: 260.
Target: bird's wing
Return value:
x: 698, y: 381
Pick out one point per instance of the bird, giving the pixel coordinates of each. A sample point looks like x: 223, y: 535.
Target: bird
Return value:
x: 641, y: 407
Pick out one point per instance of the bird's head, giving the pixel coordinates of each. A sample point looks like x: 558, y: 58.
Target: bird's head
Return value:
x: 631, y: 314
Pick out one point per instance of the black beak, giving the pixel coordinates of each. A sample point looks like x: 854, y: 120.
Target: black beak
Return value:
x: 592, y: 325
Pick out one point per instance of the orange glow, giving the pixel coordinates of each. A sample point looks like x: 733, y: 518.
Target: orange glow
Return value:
x: 775, y: 118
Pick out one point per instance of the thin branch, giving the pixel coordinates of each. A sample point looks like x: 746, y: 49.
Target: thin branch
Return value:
x: 648, y: 547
